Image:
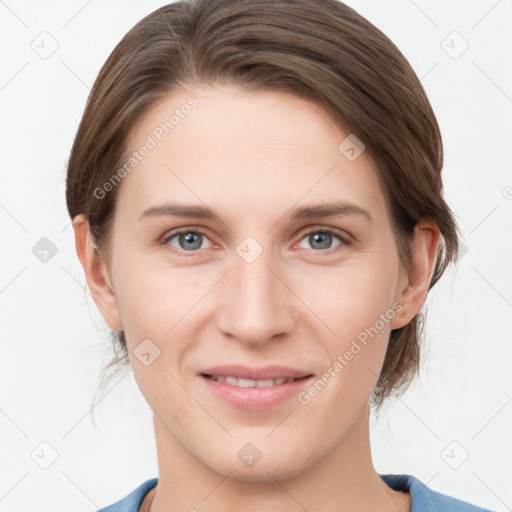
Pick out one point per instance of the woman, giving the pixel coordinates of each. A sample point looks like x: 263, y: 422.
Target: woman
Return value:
x: 256, y: 195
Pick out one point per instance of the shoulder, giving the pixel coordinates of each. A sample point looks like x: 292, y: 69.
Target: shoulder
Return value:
x: 132, y: 501
x: 425, y: 499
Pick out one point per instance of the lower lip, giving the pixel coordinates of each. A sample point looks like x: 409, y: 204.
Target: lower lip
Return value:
x: 256, y: 398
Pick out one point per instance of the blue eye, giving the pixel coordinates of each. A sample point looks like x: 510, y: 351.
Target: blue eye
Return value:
x: 322, y: 239
x: 187, y: 240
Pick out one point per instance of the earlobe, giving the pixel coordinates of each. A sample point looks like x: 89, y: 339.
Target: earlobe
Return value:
x: 96, y: 273
x: 424, y: 247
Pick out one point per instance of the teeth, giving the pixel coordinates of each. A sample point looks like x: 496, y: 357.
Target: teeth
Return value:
x: 250, y: 383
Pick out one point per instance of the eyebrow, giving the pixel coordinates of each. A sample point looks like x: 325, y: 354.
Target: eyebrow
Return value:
x: 305, y: 212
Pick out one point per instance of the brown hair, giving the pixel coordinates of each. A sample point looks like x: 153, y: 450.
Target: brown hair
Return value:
x: 320, y: 50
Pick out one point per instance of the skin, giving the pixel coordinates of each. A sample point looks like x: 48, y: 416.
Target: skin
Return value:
x: 252, y: 157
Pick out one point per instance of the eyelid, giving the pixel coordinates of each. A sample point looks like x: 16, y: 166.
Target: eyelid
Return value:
x: 179, y: 231
x: 344, y: 235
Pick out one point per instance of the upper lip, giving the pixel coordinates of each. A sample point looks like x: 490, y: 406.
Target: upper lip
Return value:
x: 262, y: 373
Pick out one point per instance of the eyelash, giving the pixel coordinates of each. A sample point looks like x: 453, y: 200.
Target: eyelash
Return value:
x: 343, y: 239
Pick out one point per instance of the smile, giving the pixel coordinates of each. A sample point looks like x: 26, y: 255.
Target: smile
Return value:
x: 250, y: 383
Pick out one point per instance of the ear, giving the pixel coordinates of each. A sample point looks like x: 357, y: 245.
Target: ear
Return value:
x: 413, y: 288
x: 96, y: 273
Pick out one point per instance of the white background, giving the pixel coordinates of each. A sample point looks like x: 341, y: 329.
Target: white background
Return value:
x: 54, y: 340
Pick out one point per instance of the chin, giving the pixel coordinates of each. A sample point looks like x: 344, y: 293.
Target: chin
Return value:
x: 264, y: 473
x: 266, y: 469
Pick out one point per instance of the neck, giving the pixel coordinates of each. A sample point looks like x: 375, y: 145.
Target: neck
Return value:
x: 342, y: 480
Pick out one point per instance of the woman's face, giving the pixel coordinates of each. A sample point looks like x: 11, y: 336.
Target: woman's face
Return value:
x: 264, y: 280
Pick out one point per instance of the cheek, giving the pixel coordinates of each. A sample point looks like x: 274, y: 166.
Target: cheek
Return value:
x: 355, y: 309
x: 160, y: 303
x: 349, y: 298
x: 145, y: 290
x: 360, y: 318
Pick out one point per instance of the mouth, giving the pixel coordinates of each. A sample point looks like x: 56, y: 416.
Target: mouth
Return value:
x: 253, y: 388
x: 253, y: 383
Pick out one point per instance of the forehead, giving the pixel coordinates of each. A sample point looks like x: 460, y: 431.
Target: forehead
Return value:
x: 228, y: 145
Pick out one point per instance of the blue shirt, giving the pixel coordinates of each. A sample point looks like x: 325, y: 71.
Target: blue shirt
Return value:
x: 423, y: 498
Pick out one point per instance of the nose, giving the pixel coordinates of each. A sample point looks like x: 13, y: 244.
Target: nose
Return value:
x: 258, y: 304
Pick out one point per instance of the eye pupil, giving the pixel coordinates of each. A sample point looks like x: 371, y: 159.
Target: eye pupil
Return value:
x: 323, y: 238
x: 189, y: 239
